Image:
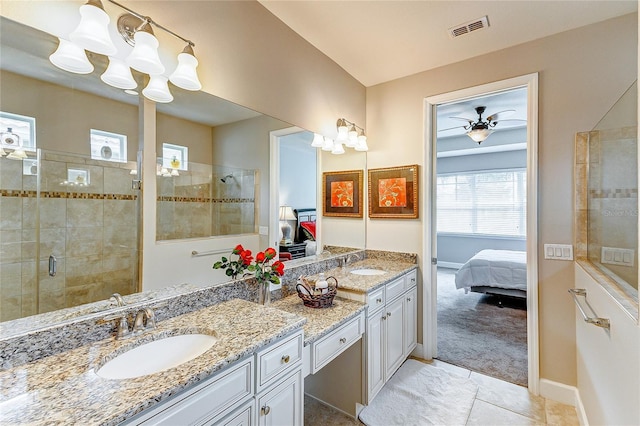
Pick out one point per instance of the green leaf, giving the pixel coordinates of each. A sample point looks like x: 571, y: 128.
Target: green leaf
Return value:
x: 217, y: 265
x: 229, y: 272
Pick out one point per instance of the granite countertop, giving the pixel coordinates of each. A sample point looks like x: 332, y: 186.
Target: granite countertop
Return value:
x: 367, y: 283
x: 321, y: 321
x: 64, y: 388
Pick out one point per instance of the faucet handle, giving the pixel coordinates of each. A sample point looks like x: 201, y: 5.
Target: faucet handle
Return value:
x: 123, y: 328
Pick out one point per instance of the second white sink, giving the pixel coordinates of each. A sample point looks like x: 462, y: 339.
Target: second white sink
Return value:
x: 368, y: 271
x: 156, y: 356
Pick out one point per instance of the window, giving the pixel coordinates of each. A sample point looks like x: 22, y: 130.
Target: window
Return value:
x: 20, y: 131
x: 485, y: 203
x: 108, y: 146
x: 175, y: 156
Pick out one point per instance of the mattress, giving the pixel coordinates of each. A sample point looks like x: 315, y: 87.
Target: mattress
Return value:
x: 494, y: 268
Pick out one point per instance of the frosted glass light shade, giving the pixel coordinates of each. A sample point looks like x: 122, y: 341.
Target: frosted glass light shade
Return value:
x: 92, y: 33
x: 118, y: 74
x: 337, y: 148
x: 352, y: 139
x: 362, y: 144
x: 144, y: 56
x: 18, y: 154
x: 328, y: 144
x: 185, y: 75
x: 71, y: 57
x: 479, y: 135
x: 343, y: 131
x: 318, y: 140
x: 158, y: 89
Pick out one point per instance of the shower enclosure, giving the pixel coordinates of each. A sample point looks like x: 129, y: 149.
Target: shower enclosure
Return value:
x: 68, y: 232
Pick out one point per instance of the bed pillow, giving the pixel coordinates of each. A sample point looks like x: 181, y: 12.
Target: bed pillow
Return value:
x: 309, y: 230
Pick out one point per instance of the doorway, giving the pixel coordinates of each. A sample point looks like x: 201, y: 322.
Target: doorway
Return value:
x: 442, y: 233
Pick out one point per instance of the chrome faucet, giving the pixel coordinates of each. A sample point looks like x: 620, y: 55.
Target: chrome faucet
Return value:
x: 145, y: 320
x: 116, y: 300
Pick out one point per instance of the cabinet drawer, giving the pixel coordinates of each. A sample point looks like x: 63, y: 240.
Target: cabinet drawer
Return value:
x: 207, y: 401
x: 376, y: 300
x: 275, y: 360
x: 241, y: 416
x: 334, y: 344
x: 411, y: 279
x: 394, y: 289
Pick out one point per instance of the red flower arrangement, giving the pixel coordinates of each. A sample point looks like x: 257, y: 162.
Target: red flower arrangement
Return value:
x: 263, y: 271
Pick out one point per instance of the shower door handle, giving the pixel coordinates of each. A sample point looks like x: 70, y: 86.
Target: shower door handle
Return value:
x: 52, y: 266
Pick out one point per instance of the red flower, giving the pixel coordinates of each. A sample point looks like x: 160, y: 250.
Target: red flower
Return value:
x: 246, y: 257
x: 260, y: 257
x: 270, y: 253
x: 239, y: 249
x: 278, y: 267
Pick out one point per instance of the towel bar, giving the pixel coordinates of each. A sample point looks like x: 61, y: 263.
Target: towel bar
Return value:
x: 196, y: 253
x: 595, y: 320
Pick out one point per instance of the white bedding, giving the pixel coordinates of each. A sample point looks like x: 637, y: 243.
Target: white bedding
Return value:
x: 494, y: 268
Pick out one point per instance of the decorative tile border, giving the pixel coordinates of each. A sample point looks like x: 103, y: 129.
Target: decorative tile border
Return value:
x: 60, y: 194
x: 614, y: 193
x: 204, y: 200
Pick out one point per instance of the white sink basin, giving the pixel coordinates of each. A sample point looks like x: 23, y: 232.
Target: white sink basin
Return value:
x: 156, y: 356
x: 368, y: 271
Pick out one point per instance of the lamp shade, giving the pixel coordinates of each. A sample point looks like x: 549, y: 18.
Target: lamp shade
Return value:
x: 92, y: 33
x: 18, y: 154
x: 327, y: 144
x: 185, y: 75
x: 71, y: 57
x: 337, y: 148
x: 343, y: 131
x: 362, y: 143
x: 352, y: 138
x: 286, y: 213
x: 479, y: 135
x: 118, y: 74
x: 158, y: 89
x: 318, y: 140
x: 144, y: 56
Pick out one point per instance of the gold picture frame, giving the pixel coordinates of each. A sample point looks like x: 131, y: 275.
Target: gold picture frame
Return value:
x: 393, y: 192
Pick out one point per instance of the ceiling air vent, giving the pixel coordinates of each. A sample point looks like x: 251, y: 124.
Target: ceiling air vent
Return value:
x: 467, y: 27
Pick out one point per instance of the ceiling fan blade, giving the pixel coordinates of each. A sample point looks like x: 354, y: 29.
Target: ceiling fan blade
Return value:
x: 512, y: 119
x: 469, y: 120
x: 451, y: 128
x: 499, y: 115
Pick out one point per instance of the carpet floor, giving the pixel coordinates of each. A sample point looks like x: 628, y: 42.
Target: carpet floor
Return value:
x: 421, y: 394
x: 476, y: 334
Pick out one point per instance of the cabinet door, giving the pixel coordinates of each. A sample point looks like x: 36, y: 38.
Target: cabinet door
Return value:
x: 375, y: 353
x: 410, y: 321
x: 394, y: 346
x: 282, y: 405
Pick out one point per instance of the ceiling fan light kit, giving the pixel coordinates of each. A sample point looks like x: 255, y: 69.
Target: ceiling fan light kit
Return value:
x: 479, y: 130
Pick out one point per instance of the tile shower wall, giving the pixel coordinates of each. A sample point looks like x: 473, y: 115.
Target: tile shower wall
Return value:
x: 198, y: 204
x: 91, y: 230
x: 606, y: 166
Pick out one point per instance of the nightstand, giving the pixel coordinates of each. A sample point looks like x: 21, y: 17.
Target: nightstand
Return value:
x: 297, y: 250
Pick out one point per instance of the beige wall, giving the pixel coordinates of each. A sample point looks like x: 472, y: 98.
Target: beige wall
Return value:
x: 582, y: 74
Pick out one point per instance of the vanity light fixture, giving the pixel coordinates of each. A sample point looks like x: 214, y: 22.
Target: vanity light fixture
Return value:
x: 349, y: 134
x: 92, y: 34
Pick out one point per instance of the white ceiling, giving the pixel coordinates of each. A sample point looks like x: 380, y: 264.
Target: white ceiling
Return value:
x: 378, y: 41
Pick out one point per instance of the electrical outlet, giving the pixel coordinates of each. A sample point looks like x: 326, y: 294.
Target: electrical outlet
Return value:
x: 558, y: 251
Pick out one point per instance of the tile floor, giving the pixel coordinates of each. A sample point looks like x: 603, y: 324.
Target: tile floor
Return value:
x: 496, y: 403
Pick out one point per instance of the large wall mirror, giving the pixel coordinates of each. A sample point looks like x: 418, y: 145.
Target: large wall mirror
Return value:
x: 69, y: 208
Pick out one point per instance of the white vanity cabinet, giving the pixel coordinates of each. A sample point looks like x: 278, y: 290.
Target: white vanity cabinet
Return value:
x: 391, y: 330
x: 264, y: 388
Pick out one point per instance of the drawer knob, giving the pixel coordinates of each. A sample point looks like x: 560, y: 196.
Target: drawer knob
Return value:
x: 384, y: 318
x: 388, y: 314
x: 413, y: 280
x: 343, y: 340
x: 379, y: 300
x: 265, y: 410
x: 408, y: 299
x: 285, y: 359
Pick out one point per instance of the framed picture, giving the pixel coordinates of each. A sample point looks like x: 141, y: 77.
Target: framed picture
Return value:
x: 393, y: 192
x: 342, y: 193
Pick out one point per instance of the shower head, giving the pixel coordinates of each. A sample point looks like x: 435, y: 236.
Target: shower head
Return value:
x: 224, y: 179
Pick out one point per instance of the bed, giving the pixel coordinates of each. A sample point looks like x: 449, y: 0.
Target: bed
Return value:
x: 501, y: 272
x: 306, y: 229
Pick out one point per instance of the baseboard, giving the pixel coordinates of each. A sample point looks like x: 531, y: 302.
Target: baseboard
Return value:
x: 450, y: 265
x: 565, y: 394
x: 358, y: 409
x: 582, y: 413
x: 418, y: 351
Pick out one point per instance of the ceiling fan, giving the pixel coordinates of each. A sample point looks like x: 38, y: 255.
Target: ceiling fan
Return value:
x: 480, y: 129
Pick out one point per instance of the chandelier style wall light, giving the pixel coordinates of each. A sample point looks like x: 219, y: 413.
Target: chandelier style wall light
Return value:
x: 349, y: 134
x: 92, y: 34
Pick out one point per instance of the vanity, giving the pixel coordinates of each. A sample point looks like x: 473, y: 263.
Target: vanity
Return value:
x: 254, y: 372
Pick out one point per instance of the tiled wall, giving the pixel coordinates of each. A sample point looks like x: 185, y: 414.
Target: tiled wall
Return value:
x: 607, y: 198
x: 198, y: 204
x: 91, y: 230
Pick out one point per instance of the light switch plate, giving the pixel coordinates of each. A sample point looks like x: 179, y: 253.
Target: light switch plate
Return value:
x: 558, y: 251
x: 617, y: 256
x: 264, y: 230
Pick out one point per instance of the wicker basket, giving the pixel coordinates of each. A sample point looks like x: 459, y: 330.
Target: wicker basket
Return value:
x: 324, y: 300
